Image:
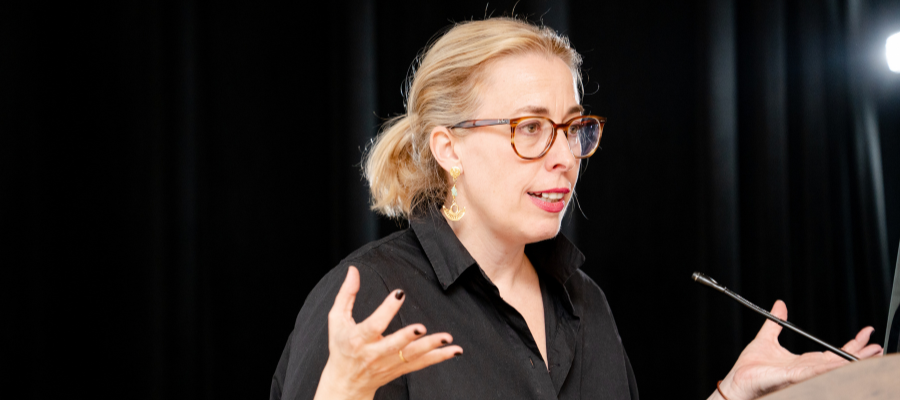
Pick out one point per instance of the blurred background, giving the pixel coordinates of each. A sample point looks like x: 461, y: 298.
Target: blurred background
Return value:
x: 175, y: 176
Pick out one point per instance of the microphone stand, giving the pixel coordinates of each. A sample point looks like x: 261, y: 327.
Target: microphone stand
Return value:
x: 701, y: 278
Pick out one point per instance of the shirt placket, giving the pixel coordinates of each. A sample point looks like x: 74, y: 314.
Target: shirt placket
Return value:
x: 519, y: 336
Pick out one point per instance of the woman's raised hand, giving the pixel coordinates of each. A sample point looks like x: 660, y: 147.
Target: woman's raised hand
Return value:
x: 764, y: 366
x: 360, y: 359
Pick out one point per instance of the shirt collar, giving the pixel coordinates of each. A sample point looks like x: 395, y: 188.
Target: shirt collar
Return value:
x: 557, y: 257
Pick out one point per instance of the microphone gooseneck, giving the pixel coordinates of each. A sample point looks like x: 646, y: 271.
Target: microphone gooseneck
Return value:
x: 706, y: 280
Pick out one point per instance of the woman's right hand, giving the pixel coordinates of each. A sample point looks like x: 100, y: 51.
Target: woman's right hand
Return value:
x: 360, y: 359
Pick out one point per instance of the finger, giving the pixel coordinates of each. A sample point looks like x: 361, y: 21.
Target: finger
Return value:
x: 391, y: 344
x: 860, y: 341
x: 870, y: 351
x: 432, y: 357
x: 770, y: 330
x: 425, y: 344
x: 375, y: 325
x: 779, y: 309
x: 343, y: 303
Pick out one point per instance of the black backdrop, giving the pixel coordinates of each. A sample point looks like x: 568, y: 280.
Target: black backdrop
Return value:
x: 176, y: 176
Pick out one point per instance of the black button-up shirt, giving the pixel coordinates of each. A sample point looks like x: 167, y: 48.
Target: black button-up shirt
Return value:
x: 448, y: 292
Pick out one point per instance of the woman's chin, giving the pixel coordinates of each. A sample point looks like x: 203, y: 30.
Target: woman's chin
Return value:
x: 539, y: 231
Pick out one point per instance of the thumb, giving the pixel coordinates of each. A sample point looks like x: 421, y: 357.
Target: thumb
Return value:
x: 343, y: 303
x: 771, y: 330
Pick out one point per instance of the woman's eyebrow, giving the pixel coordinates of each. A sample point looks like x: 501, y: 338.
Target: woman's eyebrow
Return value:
x: 538, y: 110
x: 533, y: 110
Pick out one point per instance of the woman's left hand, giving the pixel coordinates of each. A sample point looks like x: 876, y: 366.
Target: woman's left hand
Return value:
x: 764, y: 366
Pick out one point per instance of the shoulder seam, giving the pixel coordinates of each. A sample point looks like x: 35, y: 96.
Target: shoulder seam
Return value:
x: 378, y: 243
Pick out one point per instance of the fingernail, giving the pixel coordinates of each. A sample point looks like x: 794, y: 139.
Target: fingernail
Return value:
x: 457, y: 354
x: 399, y: 294
x: 417, y: 332
x: 443, y: 341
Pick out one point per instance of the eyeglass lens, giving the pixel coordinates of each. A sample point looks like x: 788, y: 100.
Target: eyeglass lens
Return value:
x: 533, y: 135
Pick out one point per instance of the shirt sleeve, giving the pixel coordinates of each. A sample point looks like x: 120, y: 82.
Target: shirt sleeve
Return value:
x: 306, y: 352
x: 632, y: 383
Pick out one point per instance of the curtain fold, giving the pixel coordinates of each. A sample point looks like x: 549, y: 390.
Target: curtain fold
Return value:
x: 719, y: 338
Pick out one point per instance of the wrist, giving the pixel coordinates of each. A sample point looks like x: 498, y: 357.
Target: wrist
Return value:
x: 334, y: 385
x: 719, y: 393
x: 716, y: 396
x: 726, y: 389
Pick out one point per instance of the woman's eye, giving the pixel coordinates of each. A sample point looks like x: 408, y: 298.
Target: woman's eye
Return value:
x: 531, y: 128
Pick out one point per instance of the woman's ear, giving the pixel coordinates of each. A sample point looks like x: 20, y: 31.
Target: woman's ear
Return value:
x: 442, y: 143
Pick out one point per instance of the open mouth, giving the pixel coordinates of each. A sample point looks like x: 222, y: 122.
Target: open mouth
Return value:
x: 547, y: 197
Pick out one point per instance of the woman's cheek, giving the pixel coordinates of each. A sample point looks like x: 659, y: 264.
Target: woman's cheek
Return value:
x: 572, y: 174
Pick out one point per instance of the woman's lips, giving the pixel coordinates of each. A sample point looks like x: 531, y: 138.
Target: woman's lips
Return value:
x: 555, y: 190
x: 550, y: 200
x: 548, y: 206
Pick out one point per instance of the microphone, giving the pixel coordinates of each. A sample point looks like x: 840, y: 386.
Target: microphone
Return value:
x: 701, y: 278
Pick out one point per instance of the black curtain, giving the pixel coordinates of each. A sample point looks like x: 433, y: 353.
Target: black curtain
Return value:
x: 176, y: 176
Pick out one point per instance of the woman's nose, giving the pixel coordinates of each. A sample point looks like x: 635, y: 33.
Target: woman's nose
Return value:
x: 560, y: 155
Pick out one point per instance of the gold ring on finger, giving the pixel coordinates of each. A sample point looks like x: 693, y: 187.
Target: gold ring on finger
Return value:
x: 401, y: 356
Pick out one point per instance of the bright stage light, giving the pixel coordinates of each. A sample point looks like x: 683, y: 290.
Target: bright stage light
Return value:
x: 893, y: 52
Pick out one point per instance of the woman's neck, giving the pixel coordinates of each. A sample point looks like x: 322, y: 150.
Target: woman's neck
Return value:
x: 503, y: 261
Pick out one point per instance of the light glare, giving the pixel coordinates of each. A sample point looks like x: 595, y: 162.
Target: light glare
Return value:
x: 893, y: 52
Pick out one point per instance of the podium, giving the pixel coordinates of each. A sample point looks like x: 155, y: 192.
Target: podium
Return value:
x: 874, y: 378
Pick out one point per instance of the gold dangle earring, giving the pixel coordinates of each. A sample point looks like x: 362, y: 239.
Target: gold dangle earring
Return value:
x: 454, y: 213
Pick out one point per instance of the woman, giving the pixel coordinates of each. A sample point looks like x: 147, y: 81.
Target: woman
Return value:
x: 483, y: 165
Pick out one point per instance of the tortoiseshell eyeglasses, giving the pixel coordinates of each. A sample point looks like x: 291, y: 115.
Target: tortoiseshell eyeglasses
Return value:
x: 532, y: 137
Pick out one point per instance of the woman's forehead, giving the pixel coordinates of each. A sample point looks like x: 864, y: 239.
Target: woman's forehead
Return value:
x: 530, y: 84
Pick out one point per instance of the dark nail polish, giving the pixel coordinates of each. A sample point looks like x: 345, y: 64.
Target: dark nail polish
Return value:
x: 399, y: 294
x: 417, y: 332
x: 457, y: 354
x: 443, y: 341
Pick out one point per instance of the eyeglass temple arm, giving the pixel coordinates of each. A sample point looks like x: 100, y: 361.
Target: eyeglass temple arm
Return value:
x: 480, y: 122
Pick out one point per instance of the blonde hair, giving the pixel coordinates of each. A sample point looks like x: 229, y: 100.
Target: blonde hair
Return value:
x: 403, y: 175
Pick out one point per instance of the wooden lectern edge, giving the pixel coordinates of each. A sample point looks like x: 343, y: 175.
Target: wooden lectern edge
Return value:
x: 871, y: 379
